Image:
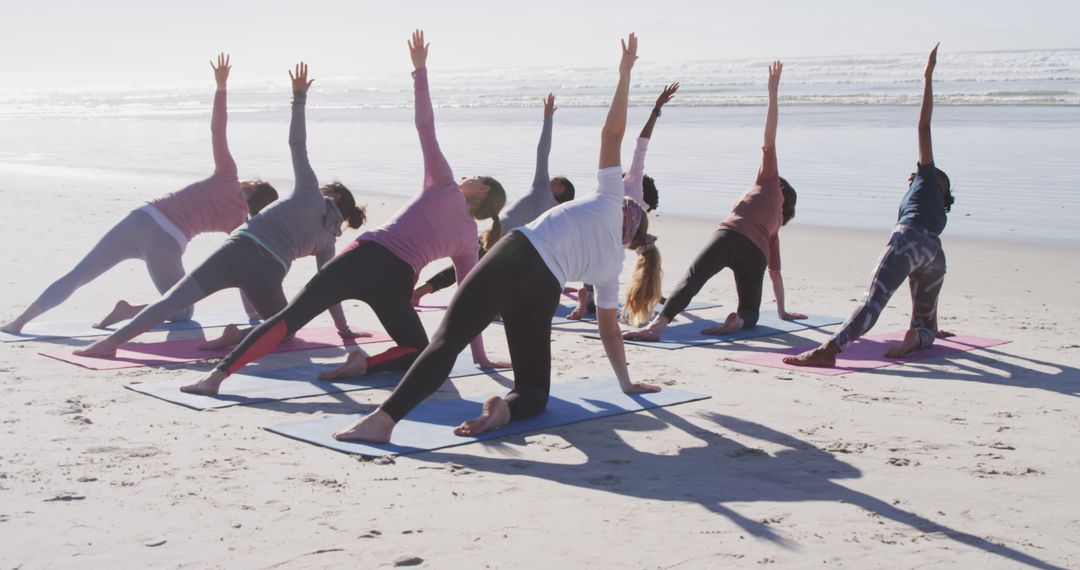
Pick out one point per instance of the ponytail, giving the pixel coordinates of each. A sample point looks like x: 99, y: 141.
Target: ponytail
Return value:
x: 354, y: 215
x: 491, y: 235
x: 646, y: 281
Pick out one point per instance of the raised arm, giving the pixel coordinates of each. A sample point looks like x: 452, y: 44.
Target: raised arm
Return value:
x: 542, y: 176
x: 436, y: 170
x: 305, y: 176
x: 665, y: 96
x: 926, y: 149
x: 768, y: 170
x: 611, y: 136
x: 224, y: 165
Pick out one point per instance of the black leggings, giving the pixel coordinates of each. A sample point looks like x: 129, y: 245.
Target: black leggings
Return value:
x: 727, y: 249
x: 511, y: 280
x: 367, y: 272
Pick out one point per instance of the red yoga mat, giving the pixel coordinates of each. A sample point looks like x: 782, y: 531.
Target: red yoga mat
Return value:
x: 137, y: 354
x: 868, y: 353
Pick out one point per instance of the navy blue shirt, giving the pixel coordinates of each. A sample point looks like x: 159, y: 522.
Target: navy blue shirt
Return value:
x: 924, y: 203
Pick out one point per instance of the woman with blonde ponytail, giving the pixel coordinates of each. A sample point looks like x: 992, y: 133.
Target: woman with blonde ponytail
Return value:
x: 645, y: 283
x: 381, y: 265
x: 747, y: 241
x: 521, y: 278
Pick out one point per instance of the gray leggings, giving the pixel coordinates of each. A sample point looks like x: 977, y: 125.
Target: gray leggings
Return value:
x: 915, y: 254
x: 240, y: 263
x: 137, y: 236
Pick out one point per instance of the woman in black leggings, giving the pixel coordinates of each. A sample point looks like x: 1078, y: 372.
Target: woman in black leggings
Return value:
x: 522, y: 278
x: 380, y: 267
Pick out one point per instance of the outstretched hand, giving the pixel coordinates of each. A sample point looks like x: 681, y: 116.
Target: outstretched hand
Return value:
x: 221, y: 70
x: 774, y: 76
x: 666, y: 95
x: 629, y: 54
x: 300, y: 82
x: 418, y: 49
x: 931, y: 62
x: 549, y: 105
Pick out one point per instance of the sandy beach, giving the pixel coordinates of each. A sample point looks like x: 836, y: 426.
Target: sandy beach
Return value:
x: 964, y: 461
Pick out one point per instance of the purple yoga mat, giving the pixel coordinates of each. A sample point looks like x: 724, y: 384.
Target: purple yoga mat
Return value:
x: 868, y: 353
x: 137, y: 354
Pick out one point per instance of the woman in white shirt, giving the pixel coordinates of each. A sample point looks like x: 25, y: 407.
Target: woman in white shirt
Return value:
x: 521, y: 278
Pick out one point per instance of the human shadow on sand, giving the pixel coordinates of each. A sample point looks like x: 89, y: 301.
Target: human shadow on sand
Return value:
x: 714, y: 474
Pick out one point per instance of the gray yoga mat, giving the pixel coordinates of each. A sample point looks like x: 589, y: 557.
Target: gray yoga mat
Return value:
x: 81, y: 329
x: 686, y: 333
x: 430, y: 425
x: 300, y: 381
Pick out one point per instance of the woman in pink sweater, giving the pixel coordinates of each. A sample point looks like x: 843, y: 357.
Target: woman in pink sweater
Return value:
x: 158, y: 232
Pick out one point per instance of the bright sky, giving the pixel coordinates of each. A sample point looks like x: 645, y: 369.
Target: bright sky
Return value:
x: 74, y: 43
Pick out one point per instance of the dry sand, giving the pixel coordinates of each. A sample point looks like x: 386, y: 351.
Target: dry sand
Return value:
x: 967, y: 461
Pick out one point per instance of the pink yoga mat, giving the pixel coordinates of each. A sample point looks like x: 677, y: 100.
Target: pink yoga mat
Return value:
x: 136, y: 354
x: 868, y: 353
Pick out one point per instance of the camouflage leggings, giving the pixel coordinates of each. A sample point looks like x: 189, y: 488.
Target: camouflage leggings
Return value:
x: 915, y: 254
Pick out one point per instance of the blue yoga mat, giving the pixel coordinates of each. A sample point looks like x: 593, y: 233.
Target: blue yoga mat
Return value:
x: 430, y: 425
x: 563, y: 310
x: 300, y: 381
x: 686, y: 333
x: 81, y: 329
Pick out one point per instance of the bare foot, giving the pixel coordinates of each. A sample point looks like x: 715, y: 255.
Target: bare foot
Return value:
x: 654, y: 331
x: 375, y: 427
x: 910, y: 344
x: 14, y: 327
x: 495, y: 415
x: 823, y: 356
x: 943, y: 334
x: 103, y: 348
x: 208, y: 386
x: 121, y: 312
x: 230, y: 336
x: 733, y: 323
x: 578, y: 313
x: 355, y: 365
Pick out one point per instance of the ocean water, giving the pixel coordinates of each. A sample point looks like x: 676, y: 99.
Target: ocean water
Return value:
x: 1006, y: 129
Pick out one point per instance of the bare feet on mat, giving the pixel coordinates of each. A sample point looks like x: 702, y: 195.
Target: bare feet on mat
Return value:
x: 733, y: 323
x: 121, y: 312
x: 823, y: 356
x: 578, y: 313
x: 103, y: 348
x: 355, y: 365
x: 943, y: 334
x: 14, y: 327
x: 208, y: 386
x: 653, y: 331
x: 496, y: 414
x: 230, y: 335
x: 910, y: 344
x: 375, y: 427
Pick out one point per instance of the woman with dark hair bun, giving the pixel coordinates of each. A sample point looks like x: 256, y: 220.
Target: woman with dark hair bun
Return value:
x: 521, y: 278
x: 257, y: 256
x: 914, y: 253
x: 381, y: 266
x: 546, y: 193
x: 747, y: 241
x: 158, y: 232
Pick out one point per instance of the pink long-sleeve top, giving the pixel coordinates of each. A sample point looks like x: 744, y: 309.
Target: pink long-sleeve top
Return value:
x: 215, y: 204
x: 436, y: 222
x: 758, y: 214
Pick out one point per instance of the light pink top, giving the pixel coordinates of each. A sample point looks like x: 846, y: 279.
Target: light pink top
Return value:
x: 436, y: 222
x: 758, y: 213
x: 215, y: 204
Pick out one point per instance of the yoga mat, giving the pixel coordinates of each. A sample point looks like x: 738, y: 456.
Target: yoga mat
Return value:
x: 430, y: 425
x: 300, y: 381
x: 868, y: 353
x: 136, y: 354
x: 682, y: 334
x: 80, y: 329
